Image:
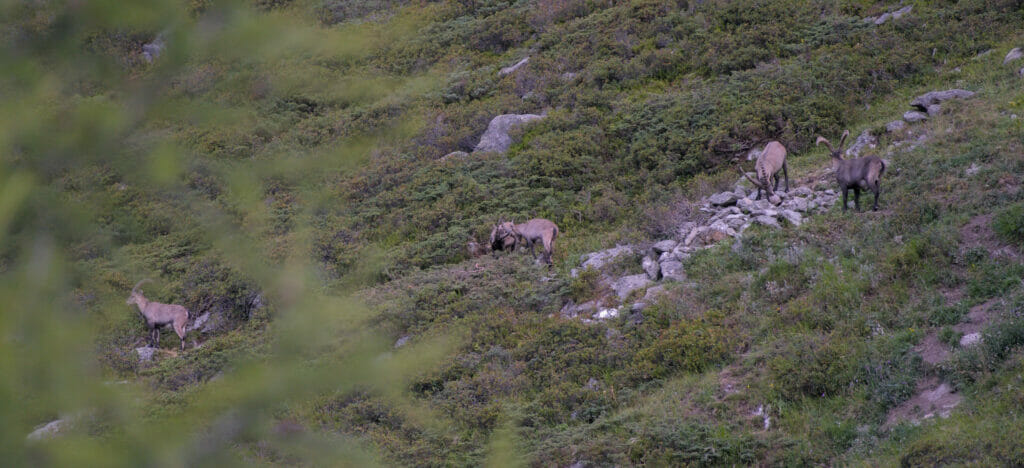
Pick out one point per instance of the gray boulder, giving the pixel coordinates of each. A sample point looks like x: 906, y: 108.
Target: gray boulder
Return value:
x: 402, y: 341
x: 882, y: 19
x: 1014, y: 54
x: 937, y: 97
x: 652, y: 268
x: 723, y: 199
x: 627, y: 284
x: 497, y: 138
x: 145, y: 353
x: 914, y: 116
x: 573, y: 310
x: 664, y: 246
x: 895, y: 126
x: 934, y: 109
x: 792, y: 217
x: 767, y: 221
x: 865, y: 140
x: 673, y: 270
x: 797, y: 204
x: 512, y: 68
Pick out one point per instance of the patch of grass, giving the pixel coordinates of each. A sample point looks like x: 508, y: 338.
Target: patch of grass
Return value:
x: 1009, y: 224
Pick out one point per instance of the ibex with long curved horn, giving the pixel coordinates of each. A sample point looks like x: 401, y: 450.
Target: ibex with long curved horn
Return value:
x: 531, y: 232
x: 157, y: 315
x: 769, y: 163
x: 857, y: 173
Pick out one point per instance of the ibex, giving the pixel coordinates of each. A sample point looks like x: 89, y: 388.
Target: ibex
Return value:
x: 530, y: 232
x: 502, y: 239
x: 157, y: 315
x: 857, y: 173
x: 769, y: 163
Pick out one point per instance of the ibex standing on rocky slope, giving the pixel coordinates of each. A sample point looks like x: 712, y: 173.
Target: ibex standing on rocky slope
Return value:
x: 530, y: 232
x: 769, y: 163
x: 157, y: 315
x: 857, y: 173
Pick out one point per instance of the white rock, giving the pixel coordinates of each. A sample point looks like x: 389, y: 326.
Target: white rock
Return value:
x: 865, y: 140
x: 970, y: 339
x: 597, y: 260
x: 723, y: 199
x: 902, y: 11
x: 512, y: 68
x: 937, y: 97
x: 48, y: 430
x: 605, y: 314
x: 1014, y: 54
x: 973, y: 169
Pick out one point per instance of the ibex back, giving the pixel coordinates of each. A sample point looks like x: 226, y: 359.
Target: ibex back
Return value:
x: 531, y: 232
x: 157, y: 315
x: 769, y: 163
x: 855, y: 173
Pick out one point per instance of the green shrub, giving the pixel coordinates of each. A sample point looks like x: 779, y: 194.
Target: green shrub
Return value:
x: 687, y: 346
x: 811, y: 366
x: 1009, y: 224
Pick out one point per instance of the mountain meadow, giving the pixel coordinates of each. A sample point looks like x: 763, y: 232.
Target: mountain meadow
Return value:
x: 320, y: 187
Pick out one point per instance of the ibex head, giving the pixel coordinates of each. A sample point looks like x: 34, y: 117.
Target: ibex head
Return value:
x: 136, y: 294
x: 836, y: 153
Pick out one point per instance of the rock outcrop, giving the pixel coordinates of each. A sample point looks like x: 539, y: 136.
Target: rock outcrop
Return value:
x: 496, y: 138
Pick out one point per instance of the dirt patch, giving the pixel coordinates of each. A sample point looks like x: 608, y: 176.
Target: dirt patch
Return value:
x: 979, y: 316
x: 933, y: 398
x: 978, y: 233
x: 931, y: 349
x: 953, y: 295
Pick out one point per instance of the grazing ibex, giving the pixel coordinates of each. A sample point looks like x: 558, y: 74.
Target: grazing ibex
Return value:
x: 857, y: 173
x: 530, y: 232
x: 769, y: 163
x: 502, y: 239
x: 157, y: 315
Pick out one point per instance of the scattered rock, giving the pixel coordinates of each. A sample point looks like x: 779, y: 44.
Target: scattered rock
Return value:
x: 902, y: 11
x: 653, y: 292
x: 496, y: 138
x: 983, y: 54
x: 934, y: 109
x: 605, y: 314
x: 723, y: 199
x: 627, y: 284
x: 637, y: 307
x: 1014, y: 54
x: 572, y: 310
x: 145, y: 353
x: 402, y: 341
x: 48, y: 430
x: 510, y: 69
x: 865, y: 140
x: 895, y: 126
x: 569, y: 76
x: 201, y: 320
x: 937, y: 97
x: 914, y: 116
x: 652, y: 268
x: 597, y: 260
x: 973, y: 169
x: 673, y: 270
x: 454, y: 155
x: 151, y: 51
x: 882, y: 19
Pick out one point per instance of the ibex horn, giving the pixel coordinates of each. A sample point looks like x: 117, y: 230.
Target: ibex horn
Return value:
x: 134, y: 288
x: 756, y: 183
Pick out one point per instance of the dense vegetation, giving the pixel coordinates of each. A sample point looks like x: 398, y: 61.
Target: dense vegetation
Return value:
x: 279, y: 167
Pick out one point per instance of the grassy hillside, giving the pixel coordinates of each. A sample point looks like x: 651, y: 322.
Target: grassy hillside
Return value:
x: 279, y: 170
